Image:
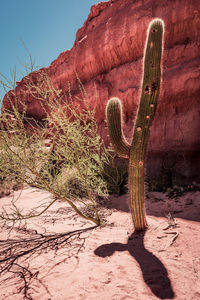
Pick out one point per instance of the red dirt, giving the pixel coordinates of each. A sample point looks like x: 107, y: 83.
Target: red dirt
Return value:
x: 61, y: 256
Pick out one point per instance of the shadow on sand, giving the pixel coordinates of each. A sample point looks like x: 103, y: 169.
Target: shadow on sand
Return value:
x: 16, y: 253
x: 154, y: 272
x: 178, y: 209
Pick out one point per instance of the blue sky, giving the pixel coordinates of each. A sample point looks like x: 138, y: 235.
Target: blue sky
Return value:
x: 48, y: 27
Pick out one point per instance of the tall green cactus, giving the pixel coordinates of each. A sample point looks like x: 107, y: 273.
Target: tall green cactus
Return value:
x: 145, y: 114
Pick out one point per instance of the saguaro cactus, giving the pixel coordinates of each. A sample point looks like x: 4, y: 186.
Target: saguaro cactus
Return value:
x: 145, y: 114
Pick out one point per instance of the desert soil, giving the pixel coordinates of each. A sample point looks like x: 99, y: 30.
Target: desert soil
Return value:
x: 60, y: 256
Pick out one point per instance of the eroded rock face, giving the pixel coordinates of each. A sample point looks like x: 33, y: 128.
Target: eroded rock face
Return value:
x: 108, y: 58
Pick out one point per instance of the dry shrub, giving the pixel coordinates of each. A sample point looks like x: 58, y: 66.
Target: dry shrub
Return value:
x: 70, y: 167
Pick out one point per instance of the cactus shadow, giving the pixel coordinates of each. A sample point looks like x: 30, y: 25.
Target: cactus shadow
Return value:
x: 154, y: 273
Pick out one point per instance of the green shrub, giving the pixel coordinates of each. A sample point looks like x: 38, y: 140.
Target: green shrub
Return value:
x: 70, y: 167
x: 115, y: 173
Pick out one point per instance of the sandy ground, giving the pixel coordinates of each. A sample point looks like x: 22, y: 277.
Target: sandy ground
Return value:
x: 61, y: 256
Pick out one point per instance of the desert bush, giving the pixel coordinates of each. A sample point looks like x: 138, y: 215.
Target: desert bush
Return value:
x: 69, y: 165
x: 115, y: 173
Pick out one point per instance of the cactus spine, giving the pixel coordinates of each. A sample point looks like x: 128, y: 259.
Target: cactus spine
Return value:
x: 145, y: 114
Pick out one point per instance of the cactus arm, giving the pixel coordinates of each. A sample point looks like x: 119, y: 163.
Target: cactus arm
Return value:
x: 114, y: 120
x: 144, y: 118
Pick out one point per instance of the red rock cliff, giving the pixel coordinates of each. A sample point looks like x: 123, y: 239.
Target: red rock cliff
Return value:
x: 108, y: 55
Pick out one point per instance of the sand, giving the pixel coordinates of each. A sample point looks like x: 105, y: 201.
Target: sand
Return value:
x: 61, y: 256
